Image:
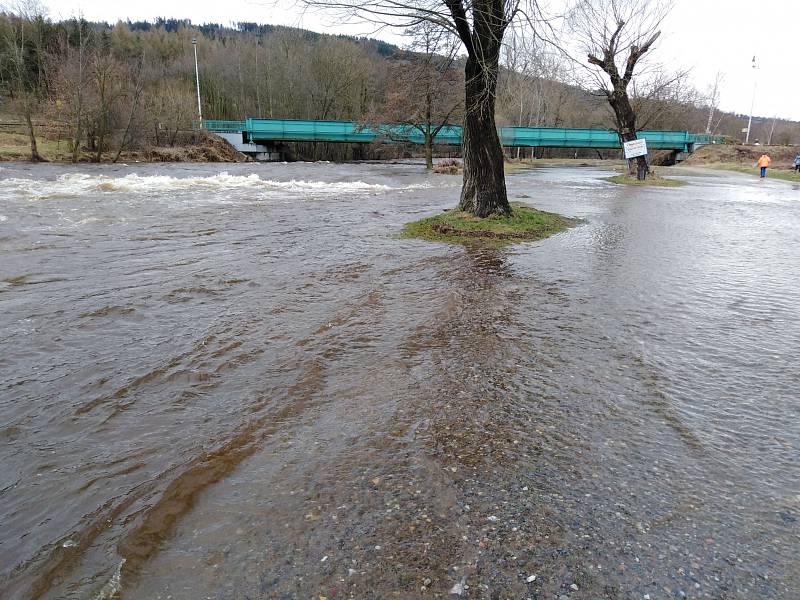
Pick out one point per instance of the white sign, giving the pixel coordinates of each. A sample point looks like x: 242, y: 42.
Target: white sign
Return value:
x: 635, y: 148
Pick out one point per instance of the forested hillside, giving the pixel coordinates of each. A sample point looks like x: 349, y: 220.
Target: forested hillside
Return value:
x: 101, y: 87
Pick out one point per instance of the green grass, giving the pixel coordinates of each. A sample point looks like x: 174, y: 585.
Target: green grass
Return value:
x: 782, y: 174
x: 455, y: 226
x: 651, y: 180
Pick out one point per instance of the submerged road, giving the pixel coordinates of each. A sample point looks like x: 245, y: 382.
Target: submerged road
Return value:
x: 241, y: 385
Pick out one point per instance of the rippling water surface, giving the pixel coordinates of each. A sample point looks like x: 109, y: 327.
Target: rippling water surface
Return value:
x: 239, y: 384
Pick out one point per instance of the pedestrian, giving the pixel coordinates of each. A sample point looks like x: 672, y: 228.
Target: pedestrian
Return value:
x: 763, y: 163
x: 797, y: 163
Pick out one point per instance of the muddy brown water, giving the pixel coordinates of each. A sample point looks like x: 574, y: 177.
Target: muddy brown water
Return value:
x: 241, y: 385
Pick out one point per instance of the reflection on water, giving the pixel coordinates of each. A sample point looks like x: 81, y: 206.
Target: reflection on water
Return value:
x: 241, y: 385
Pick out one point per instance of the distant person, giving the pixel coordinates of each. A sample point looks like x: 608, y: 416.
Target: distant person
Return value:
x: 797, y: 163
x: 763, y: 163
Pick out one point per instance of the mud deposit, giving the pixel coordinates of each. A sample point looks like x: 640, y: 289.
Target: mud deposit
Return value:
x: 242, y: 385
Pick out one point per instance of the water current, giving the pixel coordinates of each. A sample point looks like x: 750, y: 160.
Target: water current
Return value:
x: 236, y: 382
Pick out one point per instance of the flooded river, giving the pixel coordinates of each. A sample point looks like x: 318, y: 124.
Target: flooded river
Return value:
x: 241, y: 385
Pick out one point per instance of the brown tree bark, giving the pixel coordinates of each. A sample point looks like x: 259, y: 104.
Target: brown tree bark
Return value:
x: 626, y: 127
x: 484, y: 189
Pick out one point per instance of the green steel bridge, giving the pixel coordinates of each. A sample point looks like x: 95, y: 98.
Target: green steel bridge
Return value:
x: 265, y: 132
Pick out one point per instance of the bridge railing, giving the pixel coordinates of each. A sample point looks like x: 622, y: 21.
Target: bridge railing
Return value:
x: 263, y: 130
x: 706, y: 138
x: 215, y: 125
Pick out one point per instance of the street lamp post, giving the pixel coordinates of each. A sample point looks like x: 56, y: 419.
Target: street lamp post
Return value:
x: 197, y: 80
x: 752, y: 102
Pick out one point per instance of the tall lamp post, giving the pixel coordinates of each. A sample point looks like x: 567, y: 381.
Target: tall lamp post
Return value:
x: 197, y: 80
x: 752, y: 102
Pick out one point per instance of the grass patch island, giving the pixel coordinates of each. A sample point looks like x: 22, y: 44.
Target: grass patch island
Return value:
x: 652, y: 179
x: 455, y: 226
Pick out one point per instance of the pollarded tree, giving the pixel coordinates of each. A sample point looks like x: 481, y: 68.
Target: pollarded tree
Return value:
x: 616, y: 35
x: 480, y: 25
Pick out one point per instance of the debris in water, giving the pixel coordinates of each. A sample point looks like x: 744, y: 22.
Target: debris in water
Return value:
x: 458, y: 588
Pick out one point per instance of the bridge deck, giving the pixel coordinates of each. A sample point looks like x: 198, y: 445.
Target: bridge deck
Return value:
x: 285, y: 130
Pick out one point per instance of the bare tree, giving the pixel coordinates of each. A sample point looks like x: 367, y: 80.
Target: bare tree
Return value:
x: 24, y: 48
x: 136, y: 82
x: 531, y: 92
x: 616, y: 35
x: 172, y: 107
x: 422, y: 88
x: 713, y: 100
x: 662, y: 101
x: 480, y: 25
x: 107, y: 88
x: 69, y: 67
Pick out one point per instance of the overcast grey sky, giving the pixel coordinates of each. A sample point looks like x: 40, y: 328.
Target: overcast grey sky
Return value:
x: 703, y: 35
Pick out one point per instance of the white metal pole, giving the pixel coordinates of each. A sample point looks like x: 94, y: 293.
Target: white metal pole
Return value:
x: 197, y: 80
x: 752, y: 103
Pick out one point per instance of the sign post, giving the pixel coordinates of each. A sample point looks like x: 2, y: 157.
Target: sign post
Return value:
x: 635, y: 149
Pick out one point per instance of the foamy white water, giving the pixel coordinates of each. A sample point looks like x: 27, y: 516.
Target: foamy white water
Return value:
x: 78, y: 184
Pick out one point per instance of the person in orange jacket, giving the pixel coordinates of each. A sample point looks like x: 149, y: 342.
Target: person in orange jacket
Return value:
x: 763, y: 163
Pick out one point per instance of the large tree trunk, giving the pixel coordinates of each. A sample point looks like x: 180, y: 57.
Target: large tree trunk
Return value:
x: 626, y: 123
x: 484, y: 189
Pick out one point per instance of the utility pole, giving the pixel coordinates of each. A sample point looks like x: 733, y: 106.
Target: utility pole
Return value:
x: 752, y: 102
x: 197, y: 80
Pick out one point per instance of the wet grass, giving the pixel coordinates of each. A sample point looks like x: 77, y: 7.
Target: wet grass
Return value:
x: 458, y: 227
x: 650, y: 181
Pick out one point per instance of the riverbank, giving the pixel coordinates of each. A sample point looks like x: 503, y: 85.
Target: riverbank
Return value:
x: 742, y: 159
x: 15, y: 146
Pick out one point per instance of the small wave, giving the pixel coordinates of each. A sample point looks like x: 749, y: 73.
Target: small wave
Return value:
x: 78, y: 184
x: 3, y: 218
